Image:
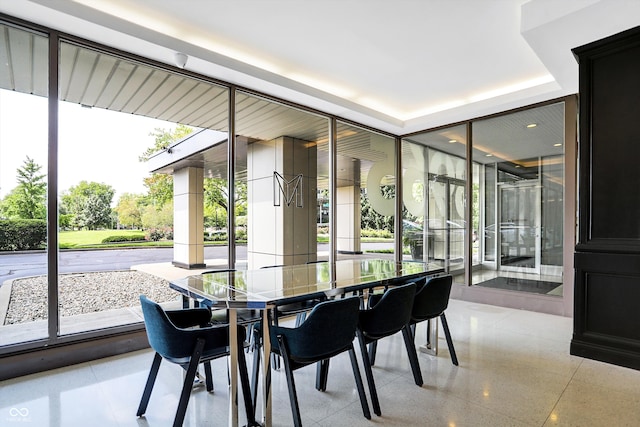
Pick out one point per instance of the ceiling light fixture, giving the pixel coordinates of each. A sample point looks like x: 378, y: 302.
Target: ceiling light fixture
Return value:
x: 452, y: 141
x: 180, y: 59
x: 532, y: 125
x: 557, y: 145
x: 488, y: 155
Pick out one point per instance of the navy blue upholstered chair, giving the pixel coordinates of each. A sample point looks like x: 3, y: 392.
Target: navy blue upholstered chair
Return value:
x: 430, y: 302
x: 298, y: 308
x: 185, y: 337
x: 389, y: 315
x: 329, y: 330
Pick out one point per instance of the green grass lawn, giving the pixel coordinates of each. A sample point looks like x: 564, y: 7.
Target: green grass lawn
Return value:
x: 93, y: 239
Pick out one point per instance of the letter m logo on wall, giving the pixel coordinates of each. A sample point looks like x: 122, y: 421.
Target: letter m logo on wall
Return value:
x: 289, y: 189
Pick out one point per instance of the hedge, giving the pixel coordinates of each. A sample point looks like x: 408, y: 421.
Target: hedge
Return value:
x: 124, y: 238
x: 22, y: 234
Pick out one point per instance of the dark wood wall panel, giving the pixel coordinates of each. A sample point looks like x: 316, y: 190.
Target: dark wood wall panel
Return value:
x: 607, y: 291
x: 607, y: 257
x: 615, y: 104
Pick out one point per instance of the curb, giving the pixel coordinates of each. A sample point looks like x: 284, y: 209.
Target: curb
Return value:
x: 5, y: 297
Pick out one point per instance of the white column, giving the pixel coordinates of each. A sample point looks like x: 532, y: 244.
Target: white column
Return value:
x: 348, y: 209
x: 188, y: 218
x: 285, y: 234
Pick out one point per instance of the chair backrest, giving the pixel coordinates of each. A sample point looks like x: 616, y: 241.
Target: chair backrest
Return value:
x: 328, y: 330
x: 390, y: 314
x: 164, y: 337
x: 432, y: 298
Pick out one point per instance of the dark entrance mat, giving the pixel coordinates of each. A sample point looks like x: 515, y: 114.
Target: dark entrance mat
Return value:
x: 524, y: 285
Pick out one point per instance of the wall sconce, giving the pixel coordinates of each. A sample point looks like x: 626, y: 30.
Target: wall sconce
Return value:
x: 180, y: 59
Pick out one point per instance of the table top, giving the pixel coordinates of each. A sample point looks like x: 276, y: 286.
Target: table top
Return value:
x: 268, y: 287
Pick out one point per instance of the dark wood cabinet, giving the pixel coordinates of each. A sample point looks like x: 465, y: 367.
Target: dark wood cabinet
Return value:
x: 607, y: 256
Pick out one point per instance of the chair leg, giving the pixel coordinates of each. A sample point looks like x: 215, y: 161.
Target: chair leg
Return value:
x: 188, y: 382
x: 369, y: 374
x: 322, y: 373
x: 153, y: 373
x: 246, y: 389
x: 359, y: 385
x: 373, y: 348
x: 208, y: 376
x: 255, y: 371
x: 275, y: 361
x: 447, y: 334
x: 293, y: 397
x: 409, y: 343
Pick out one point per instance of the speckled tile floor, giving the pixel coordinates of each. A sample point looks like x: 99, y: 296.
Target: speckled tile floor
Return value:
x: 515, y: 370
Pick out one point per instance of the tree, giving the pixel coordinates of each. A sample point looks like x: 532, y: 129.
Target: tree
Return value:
x: 129, y: 210
x: 90, y: 204
x: 160, y: 186
x: 157, y: 218
x: 159, y: 189
x: 216, y: 197
x: 372, y: 219
x: 163, y: 139
x: 95, y: 213
x: 28, y: 199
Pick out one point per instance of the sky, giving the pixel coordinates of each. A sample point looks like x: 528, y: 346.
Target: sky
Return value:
x: 94, y: 144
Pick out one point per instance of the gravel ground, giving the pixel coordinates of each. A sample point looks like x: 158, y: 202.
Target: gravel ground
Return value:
x: 84, y: 293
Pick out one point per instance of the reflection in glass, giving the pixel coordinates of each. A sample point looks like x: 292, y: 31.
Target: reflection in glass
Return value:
x: 434, y: 200
x: 365, y: 193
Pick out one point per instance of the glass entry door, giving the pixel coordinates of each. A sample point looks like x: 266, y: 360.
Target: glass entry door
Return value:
x: 446, y: 223
x: 519, y: 225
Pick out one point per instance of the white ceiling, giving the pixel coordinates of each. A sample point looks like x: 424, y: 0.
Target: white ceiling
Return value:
x: 399, y: 66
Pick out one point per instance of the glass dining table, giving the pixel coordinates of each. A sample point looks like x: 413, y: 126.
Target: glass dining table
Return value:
x: 266, y: 289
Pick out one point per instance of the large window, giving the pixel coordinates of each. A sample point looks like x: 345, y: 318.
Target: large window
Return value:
x: 282, y: 169
x: 521, y: 196
x: 365, y: 193
x: 24, y: 180
x: 434, y: 183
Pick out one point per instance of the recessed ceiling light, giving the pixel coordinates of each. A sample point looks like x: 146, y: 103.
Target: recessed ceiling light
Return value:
x: 532, y: 125
x: 557, y: 145
x: 452, y: 141
x: 488, y: 155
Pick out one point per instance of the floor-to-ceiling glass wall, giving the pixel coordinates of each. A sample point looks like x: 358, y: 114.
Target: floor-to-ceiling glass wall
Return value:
x: 434, y: 201
x: 117, y: 122
x: 521, y: 193
x: 118, y: 119
x: 24, y: 180
x: 365, y: 193
x: 282, y: 183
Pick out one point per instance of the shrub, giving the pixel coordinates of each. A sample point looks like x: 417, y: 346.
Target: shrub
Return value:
x: 157, y: 234
x: 241, y: 233
x: 168, y: 233
x: 382, y: 233
x: 121, y: 238
x: 215, y: 236
x: 154, y: 234
x: 23, y: 234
